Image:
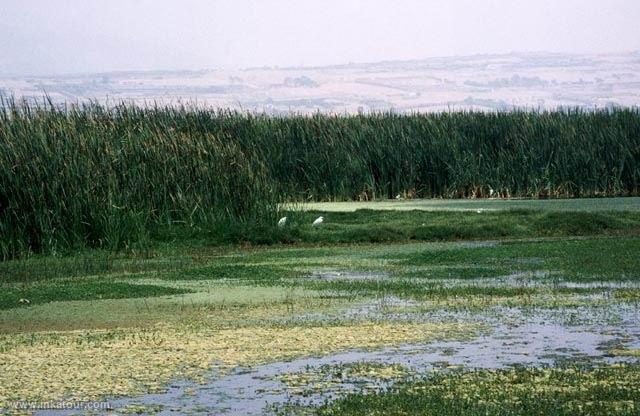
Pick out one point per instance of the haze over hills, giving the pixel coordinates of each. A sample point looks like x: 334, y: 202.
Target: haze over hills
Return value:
x: 479, y: 82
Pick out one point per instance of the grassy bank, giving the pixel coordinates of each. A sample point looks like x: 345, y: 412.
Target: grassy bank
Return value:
x: 339, y: 228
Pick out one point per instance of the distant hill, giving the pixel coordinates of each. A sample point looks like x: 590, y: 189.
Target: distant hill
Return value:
x: 478, y: 82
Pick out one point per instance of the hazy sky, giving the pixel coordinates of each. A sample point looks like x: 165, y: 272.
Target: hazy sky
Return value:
x: 68, y: 36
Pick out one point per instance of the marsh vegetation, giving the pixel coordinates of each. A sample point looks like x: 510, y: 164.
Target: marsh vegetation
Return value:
x: 143, y: 264
x: 548, y: 306
x: 93, y: 176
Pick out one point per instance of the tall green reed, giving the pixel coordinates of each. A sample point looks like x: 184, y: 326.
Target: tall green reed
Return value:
x: 88, y: 176
x: 102, y: 176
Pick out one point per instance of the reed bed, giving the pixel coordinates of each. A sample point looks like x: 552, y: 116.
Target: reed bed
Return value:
x: 91, y: 177
x: 96, y: 176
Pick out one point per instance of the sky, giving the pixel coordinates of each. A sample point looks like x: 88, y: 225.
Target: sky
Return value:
x: 39, y: 37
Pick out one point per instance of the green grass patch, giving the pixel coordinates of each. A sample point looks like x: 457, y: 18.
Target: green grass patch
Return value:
x: 521, y: 391
x: 415, y: 289
x: 423, y: 290
x: 368, y: 226
x: 454, y: 272
x: 28, y: 295
x: 606, y: 258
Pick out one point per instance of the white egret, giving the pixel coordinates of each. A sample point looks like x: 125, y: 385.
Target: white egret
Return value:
x: 282, y: 222
x: 317, y: 222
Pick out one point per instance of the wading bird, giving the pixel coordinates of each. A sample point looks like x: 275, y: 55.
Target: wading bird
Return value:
x: 317, y: 222
x: 282, y: 222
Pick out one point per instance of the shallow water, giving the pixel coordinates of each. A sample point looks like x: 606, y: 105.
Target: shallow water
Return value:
x: 534, y: 278
x: 333, y: 275
x: 515, y: 337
